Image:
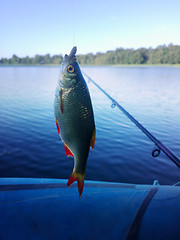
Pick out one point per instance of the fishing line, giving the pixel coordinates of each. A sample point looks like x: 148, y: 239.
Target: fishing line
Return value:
x: 159, y: 145
x: 73, y: 16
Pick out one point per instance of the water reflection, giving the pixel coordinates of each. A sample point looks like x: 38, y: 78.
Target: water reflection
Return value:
x: 30, y: 145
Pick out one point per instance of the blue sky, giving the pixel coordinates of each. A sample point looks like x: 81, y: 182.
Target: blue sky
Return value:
x: 54, y: 26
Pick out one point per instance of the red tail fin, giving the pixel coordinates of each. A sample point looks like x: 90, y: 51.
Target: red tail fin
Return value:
x: 80, y: 180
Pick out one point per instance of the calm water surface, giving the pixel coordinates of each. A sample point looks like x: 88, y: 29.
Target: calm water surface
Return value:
x: 30, y: 145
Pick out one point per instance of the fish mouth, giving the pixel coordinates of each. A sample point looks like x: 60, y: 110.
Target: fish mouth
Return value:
x: 71, y: 56
x: 67, y: 78
x: 73, y: 52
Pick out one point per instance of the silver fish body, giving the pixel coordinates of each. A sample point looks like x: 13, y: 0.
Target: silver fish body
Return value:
x: 74, y: 116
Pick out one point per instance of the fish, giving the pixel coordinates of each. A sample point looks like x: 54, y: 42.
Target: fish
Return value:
x: 74, y: 116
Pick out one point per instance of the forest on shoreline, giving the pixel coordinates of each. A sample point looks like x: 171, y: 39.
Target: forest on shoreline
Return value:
x: 160, y: 55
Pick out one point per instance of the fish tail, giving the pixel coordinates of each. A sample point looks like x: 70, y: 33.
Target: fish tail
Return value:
x: 80, y: 180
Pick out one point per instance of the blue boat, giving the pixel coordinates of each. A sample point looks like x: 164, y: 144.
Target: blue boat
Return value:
x: 46, y: 209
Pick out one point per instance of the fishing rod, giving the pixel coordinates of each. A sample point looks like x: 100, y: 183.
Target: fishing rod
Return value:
x: 160, y: 145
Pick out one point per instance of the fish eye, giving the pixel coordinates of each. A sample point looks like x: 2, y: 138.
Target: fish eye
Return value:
x: 70, y: 68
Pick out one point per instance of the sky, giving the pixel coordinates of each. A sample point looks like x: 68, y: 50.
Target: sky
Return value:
x: 35, y: 27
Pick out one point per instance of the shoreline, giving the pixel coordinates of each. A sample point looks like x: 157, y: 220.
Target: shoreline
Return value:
x: 92, y: 65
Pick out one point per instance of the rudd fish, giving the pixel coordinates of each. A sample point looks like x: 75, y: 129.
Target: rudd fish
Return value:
x: 74, y: 116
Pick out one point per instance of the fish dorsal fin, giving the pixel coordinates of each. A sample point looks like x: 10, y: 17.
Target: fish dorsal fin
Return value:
x: 93, y: 139
x: 68, y: 151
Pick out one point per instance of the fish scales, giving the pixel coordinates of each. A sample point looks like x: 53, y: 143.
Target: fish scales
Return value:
x: 74, y: 116
x: 76, y: 123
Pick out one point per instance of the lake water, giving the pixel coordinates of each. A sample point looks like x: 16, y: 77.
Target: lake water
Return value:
x: 29, y: 141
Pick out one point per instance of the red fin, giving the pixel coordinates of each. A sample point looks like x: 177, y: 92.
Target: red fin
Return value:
x: 93, y: 139
x: 71, y: 180
x: 80, y: 186
x: 68, y: 151
x: 80, y: 180
x: 61, y: 101
x: 57, y: 125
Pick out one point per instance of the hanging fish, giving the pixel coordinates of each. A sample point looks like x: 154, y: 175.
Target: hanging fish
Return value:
x: 74, y: 116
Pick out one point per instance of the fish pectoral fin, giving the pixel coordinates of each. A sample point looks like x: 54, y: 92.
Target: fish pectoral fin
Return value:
x: 80, y: 180
x: 61, y: 101
x: 93, y: 139
x: 68, y: 151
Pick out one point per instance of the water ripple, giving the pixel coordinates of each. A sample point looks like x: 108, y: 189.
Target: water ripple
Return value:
x: 30, y: 145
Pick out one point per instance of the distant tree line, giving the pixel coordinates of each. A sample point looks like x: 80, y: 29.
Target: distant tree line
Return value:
x: 38, y: 59
x: 161, y: 55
